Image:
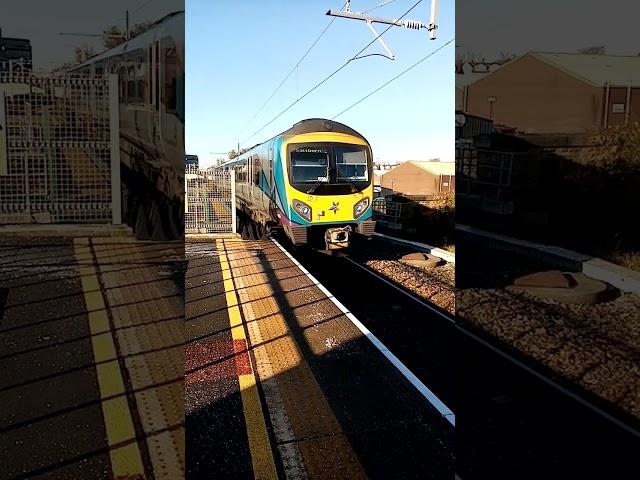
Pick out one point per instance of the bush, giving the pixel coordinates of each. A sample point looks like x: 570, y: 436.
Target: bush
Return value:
x: 436, y: 222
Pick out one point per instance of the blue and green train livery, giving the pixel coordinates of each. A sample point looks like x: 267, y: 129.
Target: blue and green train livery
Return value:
x: 314, y: 181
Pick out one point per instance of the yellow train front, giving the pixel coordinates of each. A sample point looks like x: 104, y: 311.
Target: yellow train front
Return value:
x: 315, y: 181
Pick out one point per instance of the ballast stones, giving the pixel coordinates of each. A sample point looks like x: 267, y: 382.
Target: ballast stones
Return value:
x: 424, y: 260
x: 564, y: 287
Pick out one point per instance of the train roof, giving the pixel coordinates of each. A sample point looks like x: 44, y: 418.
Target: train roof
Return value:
x: 309, y: 125
x: 131, y: 42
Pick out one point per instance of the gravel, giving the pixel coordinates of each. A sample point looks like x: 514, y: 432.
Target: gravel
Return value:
x: 597, y: 346
x: 435, y: 285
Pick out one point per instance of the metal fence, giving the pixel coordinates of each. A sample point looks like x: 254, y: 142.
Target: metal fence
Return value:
x: 59, y: 150
x: 209, y: 201
x: 388, y: 213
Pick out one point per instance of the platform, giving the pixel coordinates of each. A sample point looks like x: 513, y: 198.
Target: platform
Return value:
x: 281, y: 384
x: 92, y: 353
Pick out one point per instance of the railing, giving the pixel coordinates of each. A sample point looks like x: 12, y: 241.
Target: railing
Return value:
x: 209, y: 201
x: 391, y: 214
x: 59, y: 150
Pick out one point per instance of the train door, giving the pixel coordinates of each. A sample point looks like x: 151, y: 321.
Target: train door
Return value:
x: 169, y: 116
x: 257, y: 173
x: 150, y: 93
x: 250, y: 167
x: 154, y: 93
x: 270, y: 176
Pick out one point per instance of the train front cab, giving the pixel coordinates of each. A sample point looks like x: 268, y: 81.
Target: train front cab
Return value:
x: 328, y: 180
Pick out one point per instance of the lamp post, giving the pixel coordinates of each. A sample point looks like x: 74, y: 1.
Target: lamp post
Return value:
x: 491, y: 101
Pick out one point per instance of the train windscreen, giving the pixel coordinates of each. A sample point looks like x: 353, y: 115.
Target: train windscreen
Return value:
x: 351, y: 163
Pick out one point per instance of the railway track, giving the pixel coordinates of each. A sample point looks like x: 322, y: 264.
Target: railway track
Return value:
x: 514, y: 419
x: 394, y: 317
x: 535, y: 421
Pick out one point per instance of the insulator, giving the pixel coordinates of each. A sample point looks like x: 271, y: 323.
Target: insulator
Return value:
x: 414, y: 24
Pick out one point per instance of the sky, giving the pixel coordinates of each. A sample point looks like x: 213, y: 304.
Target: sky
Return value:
x: 42, y: 22
x: 489, y: 27
x: 237, y: 53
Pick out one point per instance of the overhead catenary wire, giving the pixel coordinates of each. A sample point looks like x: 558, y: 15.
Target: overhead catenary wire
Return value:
x: 393, y: 79
x: 140, y: 6
x: 316, y: 86
x: 378, y: 6
x: 289, y: 74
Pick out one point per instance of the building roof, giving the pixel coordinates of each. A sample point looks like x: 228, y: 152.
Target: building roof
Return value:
x: 438, y: 168
x: 435, y: 167
x: 597, y: 70
x: 617, y: 70
x: 467, y: 78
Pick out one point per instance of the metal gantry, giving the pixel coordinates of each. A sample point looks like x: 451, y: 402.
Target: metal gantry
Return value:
x: 431, y: 27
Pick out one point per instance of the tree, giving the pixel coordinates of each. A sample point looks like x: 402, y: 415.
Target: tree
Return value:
x: 505, y: 57
x: 139, y: 28
x: 466, y: 58
x: 233, y: 154
x: 112, y: 37
x: 83, y: 53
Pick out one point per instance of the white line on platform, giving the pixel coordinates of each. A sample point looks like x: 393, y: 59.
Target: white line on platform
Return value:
x: 408, y: 374
x: 435, y: 251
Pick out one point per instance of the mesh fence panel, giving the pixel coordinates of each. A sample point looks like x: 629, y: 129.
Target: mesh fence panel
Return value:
x: 209, y: 202
x: 58, y: 151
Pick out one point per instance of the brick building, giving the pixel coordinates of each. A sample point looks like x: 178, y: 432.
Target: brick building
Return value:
x: 557, y: 93
x: 420, y: 178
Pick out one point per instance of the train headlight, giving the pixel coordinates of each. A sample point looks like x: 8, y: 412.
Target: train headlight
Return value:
x: 302, y: 209
x: 360, y: 207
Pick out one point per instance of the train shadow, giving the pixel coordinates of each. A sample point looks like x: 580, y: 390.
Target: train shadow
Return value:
x: 52, y: 348
x: 321, y: 380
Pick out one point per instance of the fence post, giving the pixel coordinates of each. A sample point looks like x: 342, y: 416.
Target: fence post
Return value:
x: 114, y: 131
x: 232, y: 179
x: 4, y: 145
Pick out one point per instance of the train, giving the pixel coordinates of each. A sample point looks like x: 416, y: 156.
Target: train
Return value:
x: 150, y: 69
x: 313, y: 181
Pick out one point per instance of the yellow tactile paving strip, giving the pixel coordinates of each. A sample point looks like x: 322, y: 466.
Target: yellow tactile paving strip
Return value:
x: 261, y: 457
x: 147, y: 312
x: 124, y: 452
x: 308, y: 436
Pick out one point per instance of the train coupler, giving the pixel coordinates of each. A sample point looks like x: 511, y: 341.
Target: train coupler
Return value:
x: 337, y: 237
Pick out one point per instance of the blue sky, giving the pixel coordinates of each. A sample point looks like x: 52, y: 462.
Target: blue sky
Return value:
x: 237, y: 53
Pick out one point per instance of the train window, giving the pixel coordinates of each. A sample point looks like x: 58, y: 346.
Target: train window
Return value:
x: 140, y: 91
x: 351, y: 163
x: 241, y: 172
x: 131, y: 90
x: 309, y: 164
